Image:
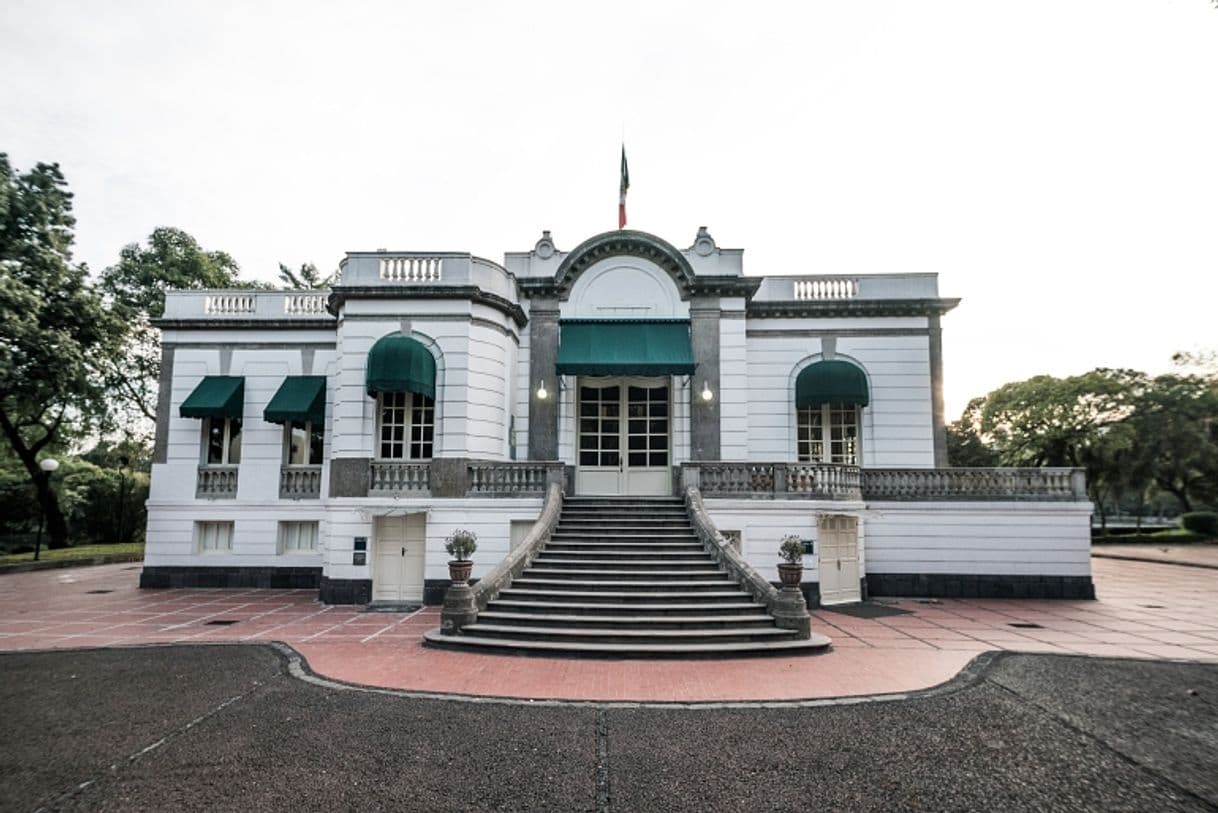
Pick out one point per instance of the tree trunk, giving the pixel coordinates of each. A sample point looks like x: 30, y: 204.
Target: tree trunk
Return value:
x: 57, y: 526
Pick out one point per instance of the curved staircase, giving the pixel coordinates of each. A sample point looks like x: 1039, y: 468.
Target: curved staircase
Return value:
x: 626, y: 577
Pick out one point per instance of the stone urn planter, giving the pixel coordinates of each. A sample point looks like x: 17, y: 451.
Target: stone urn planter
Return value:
x: 460, y: 545
x: 791, y: 569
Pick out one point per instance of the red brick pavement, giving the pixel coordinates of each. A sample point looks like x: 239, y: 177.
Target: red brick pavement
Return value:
x: 1144, y: 610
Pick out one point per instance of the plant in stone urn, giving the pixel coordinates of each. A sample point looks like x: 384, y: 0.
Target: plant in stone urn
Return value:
x: 460, y: 545
x: 791, y: 569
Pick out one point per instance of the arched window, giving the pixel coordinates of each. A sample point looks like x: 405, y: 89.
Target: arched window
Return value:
x: 401, y: 375
x: 829, y: 397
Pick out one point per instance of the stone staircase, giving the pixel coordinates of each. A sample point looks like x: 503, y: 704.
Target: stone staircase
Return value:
x: 626, y: 577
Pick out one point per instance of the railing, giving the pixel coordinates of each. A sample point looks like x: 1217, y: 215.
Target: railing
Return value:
x: 504, y: 479
x: 411, y: 268
x: 826, y: 288
x: 787, y: 606
x: 462, y: 605
x: 223, y: 304
x: 1053, y: 485
x: 299, y: 482
x: 216, y: 482
x: 398, y: 478
x: 305, y: 304
x: 817, y: 481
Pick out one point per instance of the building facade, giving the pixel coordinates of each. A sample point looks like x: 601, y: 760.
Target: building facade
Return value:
x: 335, y: 439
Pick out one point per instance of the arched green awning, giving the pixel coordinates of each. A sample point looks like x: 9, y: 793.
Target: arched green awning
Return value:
x: 400, y: 364
x: 831, y: 382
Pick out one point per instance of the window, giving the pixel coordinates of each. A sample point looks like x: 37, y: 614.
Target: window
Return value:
x: 222, y: 437
x: 407, y: 425
x: 297, y: 537
x: 828, y: 433
x: 303, y: 443
x: 213, y: 536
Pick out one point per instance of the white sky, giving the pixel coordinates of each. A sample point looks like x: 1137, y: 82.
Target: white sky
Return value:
x: 1055, y: 161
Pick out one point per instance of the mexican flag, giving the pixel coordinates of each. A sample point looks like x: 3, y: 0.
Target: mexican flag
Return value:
x: 621, y: 198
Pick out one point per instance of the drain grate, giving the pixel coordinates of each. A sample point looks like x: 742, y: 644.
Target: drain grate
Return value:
x: 97, y: 592
x: 1026, y: 625
x: 1152, y: 606
x: 221, y: 622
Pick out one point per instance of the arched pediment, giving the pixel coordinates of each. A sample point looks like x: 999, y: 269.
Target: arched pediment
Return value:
x: 628, y: 244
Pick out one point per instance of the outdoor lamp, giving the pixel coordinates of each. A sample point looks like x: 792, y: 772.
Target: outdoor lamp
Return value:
x: 707, y: 395
x: 542, y: 394
x: 49, y: 464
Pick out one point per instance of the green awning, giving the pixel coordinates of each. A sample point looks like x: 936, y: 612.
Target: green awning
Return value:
x: 400, y: 364
x: 625, y: 347
x: 831, y: 382
x: 217, y: 396
x: 300, y: 398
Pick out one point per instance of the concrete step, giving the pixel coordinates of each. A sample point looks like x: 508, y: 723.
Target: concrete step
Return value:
x: 705, y: 609
x: 636, y: 622
x: 625, y: 546
x: 623, y: 597
x: 717, y: 649
x: 626, y: 584
x: 594, y: 635
x: 624, y: 557
x: 677, y: 577
x: 614, y: 534
x: 585, y: 563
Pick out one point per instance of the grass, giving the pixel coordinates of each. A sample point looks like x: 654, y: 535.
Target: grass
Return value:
x: 78, y: 552
x: 1172, y: 536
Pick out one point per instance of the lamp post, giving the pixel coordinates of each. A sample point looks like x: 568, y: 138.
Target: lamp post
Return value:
x: 123, y: 461
x: 49, y: 465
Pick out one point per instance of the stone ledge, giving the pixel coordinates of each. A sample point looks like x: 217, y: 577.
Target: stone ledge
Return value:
x: 951, y: 585
x: 290, y: 578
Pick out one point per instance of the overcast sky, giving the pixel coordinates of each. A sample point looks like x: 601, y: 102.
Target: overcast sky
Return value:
x: 1055, y: 162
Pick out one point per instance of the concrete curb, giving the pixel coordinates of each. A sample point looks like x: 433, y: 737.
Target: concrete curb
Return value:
x: 1150, y: 560
x: 56, y: 564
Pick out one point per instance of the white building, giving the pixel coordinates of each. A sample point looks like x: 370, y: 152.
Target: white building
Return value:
x: 334, y: 439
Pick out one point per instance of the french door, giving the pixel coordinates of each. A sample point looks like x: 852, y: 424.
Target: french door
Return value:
x: 624, y: 439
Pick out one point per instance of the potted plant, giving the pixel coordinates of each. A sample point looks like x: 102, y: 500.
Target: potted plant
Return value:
x: 791, y: 569
x: 460, y: 545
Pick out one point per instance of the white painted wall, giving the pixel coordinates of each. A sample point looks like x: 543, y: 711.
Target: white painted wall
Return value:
x: 982, y: 538
x: 733, y: 392
x: 624, y: 288
x: 897, y: 426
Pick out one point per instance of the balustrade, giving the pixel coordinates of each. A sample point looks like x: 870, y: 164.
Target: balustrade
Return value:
x: 216, y: 482
x: 826, y: 288
x: 821, y: 481
x: 510, y: 478
x: 1051, y: 484
x: 223, y: 304
x: 411, y: 269
x: 305, y: 304
x: 394, y: 477
x: 299, y: 482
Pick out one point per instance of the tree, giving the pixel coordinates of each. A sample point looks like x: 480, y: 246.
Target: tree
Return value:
x: 1176, y: 423
x: 309, y: 277
x: 965, y: 445
x: 53, y: 330
x: 135, y: 288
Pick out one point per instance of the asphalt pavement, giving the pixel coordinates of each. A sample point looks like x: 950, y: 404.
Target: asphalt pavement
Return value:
x: 230, y: 727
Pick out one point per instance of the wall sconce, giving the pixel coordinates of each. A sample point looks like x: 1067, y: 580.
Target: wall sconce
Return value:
x: 707, y: 395
x: 542, y: 393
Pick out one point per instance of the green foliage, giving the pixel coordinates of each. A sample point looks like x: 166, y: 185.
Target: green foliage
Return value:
x: 1173, y: 536
x: 309, y: 278
x: 1201, y: 522
x: 134, y: 550
x: 965, y: 446
x: 135, y: 289
x: 461, y: 544
x: 55, y: 328
x: 791, y: 550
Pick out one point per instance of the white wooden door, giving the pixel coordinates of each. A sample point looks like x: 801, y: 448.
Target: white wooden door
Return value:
x: 838, y: 539
x: 624, y: 436
x: 397, y: 572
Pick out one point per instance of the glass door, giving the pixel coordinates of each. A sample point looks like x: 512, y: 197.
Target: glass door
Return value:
x: 637, y: 410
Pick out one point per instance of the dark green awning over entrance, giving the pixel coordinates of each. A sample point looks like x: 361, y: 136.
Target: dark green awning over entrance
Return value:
x: 401, y: 364
x: 300, y: 398
x: 217, y: 396
x: 625, y: 347
x: 831, y: 382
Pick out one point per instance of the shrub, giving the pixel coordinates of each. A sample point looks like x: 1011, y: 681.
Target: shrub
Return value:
x: 1201, y: 522
x: 792, y: 549
x: 461, y: 544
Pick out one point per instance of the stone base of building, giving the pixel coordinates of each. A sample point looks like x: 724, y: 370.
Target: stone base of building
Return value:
x: 288, y: 578
x: 951, y: 585
x: 344, y: 591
